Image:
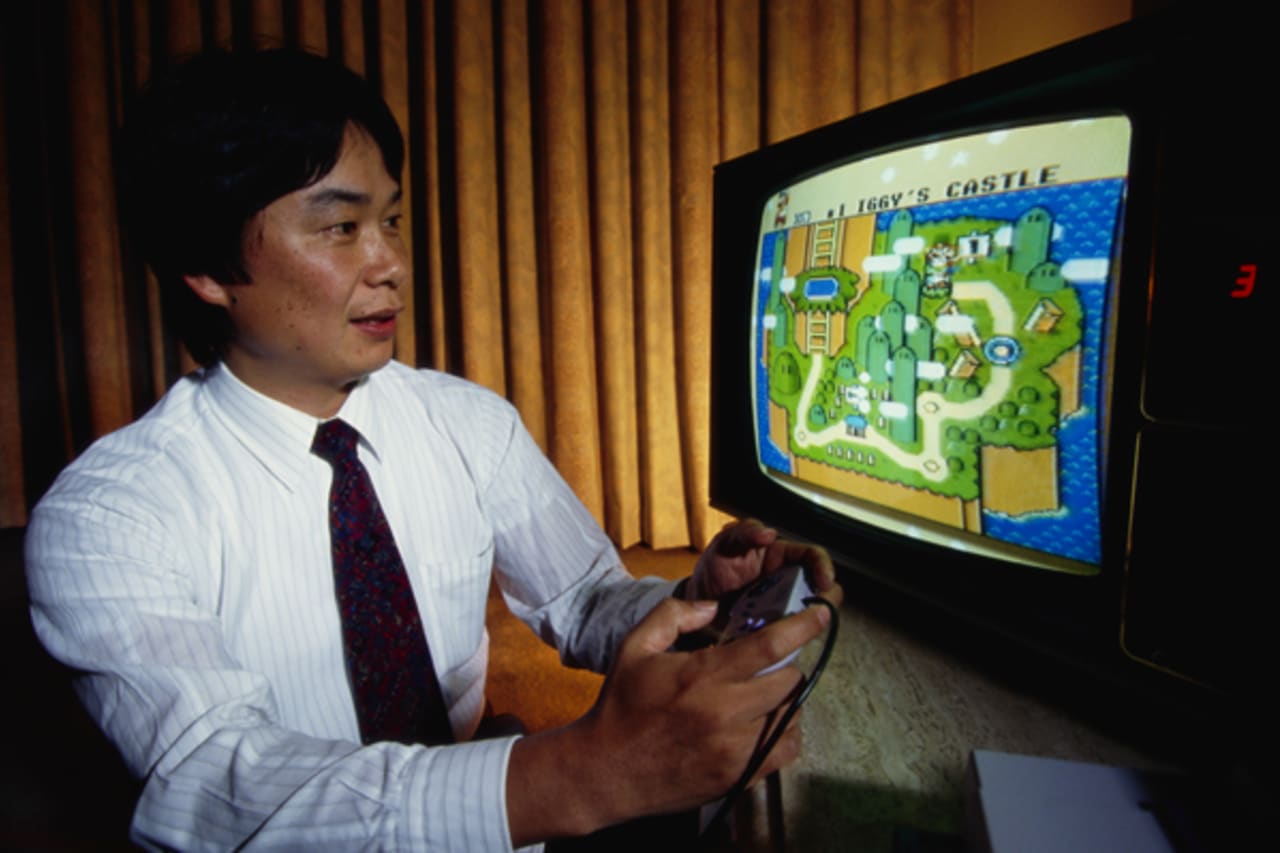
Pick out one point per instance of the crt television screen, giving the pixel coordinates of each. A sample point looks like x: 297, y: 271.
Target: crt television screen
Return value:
x: 929, y: 340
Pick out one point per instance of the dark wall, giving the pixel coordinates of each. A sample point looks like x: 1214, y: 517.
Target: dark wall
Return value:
x: 62, y: 786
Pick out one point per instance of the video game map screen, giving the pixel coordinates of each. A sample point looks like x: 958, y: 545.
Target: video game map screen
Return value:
x: 929, y: 330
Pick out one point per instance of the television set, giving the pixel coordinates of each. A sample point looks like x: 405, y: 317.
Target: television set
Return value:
x: 1002, y: 348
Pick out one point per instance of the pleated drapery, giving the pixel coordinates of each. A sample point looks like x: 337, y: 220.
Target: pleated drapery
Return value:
x: 559, y: 202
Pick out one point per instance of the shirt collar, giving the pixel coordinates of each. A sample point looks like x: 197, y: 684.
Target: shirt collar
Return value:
x: 358, y: 410
x: 277, y: 435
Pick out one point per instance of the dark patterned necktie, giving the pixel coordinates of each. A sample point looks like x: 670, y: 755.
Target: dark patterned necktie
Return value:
x: 392, y: 678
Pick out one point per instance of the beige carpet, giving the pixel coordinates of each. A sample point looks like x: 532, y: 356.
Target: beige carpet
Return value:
x: 526, y: 677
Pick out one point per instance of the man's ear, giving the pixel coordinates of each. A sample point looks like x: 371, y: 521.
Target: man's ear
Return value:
x: 210, y: 290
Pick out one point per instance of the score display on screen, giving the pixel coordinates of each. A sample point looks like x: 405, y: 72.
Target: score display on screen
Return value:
x: 929, y: 338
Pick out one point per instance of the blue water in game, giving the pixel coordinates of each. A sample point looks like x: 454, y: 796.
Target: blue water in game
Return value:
x: 1085, y: 216
x: 821, y: 288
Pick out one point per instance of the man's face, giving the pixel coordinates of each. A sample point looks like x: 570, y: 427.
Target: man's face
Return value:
x: 325, y: 267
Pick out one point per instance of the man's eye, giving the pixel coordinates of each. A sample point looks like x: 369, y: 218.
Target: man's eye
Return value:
x: 345, y: 229
x: 393, y: 222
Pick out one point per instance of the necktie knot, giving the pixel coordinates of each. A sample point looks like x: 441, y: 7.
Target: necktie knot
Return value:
x: 335, y: 442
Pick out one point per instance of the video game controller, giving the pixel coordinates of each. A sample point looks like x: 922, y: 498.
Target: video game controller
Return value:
x: 766, y: 600
x: 763, y: 601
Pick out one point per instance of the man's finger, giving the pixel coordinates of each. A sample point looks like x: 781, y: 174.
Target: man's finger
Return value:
x: 658, y: 631
x: 740, y: 537
x: 747, y: 656
x: 819, y: 569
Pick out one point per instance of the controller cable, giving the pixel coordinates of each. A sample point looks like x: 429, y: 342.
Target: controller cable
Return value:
x: 773, y: 732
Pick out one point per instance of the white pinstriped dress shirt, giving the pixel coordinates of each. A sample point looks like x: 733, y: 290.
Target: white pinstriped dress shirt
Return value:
x: 183, y: 563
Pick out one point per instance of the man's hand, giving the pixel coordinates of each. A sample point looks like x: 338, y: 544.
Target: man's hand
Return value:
x: 744, y: 550
x: 670, y: 730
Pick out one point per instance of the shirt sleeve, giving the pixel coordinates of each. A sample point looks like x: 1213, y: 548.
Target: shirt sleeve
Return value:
x: 112, y: 598
x: 558, y: 571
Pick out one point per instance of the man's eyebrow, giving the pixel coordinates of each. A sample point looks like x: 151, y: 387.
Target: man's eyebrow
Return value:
x: 333, y: 196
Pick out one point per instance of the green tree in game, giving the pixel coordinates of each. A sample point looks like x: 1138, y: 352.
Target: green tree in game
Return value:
x: 1031, y: 235
x: 904, y: 391
x: 785, y: 375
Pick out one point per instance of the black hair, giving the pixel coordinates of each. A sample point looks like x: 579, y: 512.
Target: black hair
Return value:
x: 209, y: 145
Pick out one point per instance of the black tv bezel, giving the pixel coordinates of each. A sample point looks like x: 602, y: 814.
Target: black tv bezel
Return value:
x: 1076, y: 619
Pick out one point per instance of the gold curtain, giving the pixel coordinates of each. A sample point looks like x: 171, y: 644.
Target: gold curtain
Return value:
x: 558, y: 182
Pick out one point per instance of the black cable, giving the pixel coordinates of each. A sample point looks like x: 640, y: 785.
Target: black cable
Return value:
x: 772, y: 733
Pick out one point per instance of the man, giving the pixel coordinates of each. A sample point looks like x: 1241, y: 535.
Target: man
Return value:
x: 184, y: 566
